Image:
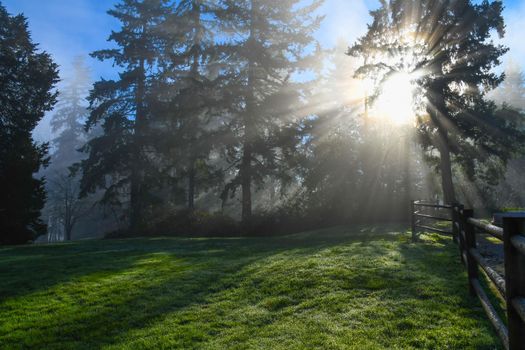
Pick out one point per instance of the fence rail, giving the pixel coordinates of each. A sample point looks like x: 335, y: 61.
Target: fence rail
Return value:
x: 419, y: 216
x: 511, y: 286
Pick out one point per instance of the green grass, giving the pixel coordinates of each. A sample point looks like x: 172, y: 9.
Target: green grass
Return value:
x: 344, y: 288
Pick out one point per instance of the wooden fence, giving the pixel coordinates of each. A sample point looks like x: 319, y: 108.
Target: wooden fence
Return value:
x: 424, y: 213
x: 511, y: 287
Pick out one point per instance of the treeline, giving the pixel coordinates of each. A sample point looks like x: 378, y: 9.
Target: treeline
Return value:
x: 223, y: 104
x: 230, y: 105
x: 206, y: 95
x: 227, y: 117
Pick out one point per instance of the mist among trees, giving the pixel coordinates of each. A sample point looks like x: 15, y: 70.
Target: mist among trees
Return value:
x: 231, y: 118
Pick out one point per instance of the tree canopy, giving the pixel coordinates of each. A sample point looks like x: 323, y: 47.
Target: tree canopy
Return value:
x: 27, y: 79
x: 447, y: 48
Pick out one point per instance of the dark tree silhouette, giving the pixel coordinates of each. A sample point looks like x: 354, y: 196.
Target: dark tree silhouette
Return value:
x: 27, y: 79
x: 192, y: 60
x: 272, y: 42
x: 446, y: 46
x: 119, y: 161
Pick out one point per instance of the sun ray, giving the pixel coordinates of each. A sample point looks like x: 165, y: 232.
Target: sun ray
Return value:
x: 395, y: 102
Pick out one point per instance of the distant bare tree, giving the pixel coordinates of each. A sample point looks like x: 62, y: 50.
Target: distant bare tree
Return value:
x: 67, y: 208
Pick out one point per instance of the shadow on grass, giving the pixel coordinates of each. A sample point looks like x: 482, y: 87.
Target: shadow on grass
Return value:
x: 75, y: 291
x: 95, y: 294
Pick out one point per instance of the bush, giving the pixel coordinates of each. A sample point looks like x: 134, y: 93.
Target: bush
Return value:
x: 281, y: 221
x: 197, y: 224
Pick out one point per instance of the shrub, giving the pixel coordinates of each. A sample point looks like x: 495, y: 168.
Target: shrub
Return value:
x: 197, y: 224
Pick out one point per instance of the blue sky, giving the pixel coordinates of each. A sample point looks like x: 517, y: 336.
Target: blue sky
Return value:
x: 68, y: 28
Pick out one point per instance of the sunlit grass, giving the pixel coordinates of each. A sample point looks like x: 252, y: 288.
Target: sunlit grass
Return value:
x: 360, y: 288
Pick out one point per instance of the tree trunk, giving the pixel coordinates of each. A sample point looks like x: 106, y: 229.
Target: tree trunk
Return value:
x: 69, y: 232
x: 136, y: 219
x: 246, y: 182
x: 135, y: 211
x: 408, y: 178
x: 445, y: 166
x: 249, y: 133
x: 191, y: 185
x: 195, y: 74
x: 437, y: 113
x: 68, y: 210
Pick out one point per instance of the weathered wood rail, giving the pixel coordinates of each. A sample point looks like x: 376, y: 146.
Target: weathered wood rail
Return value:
x: 420, y: 218
x: 511, y: 286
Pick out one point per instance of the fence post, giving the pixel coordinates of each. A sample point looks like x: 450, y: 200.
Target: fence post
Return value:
x: 470, y: 243
x: 457, y: 226
x: 514, y: 281
x: 455, y: 236
x: 413, y: 219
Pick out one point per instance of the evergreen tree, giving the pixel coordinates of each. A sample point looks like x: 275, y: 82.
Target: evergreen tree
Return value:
x: 357, y: 168
x: 27, y: 79
x: 331, y: 169
x: 272, y: 41
x: 193, y: 107
x: 120, y: 161
x: 69, y: 118
x: 63, y: 207
x: 446, y: 46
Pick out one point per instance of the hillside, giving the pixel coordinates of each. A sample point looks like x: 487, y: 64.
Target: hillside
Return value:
x: 356, y: 288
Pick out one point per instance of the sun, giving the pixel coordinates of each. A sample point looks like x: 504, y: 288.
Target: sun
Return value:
x: 395, y: 102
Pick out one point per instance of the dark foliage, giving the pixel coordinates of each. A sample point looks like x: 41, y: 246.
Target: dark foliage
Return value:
x: 188, y: 223
x: 27, y: 78
x: 273, y: 43
x: 120, y: 161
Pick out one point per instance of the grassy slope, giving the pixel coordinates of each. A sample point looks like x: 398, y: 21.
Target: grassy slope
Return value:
x: 333, y: 289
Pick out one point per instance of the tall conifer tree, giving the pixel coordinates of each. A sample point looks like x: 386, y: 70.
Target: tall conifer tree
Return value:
x: 120, y: 161
x: 272, y: 42
x: 191, y: 65
x: 63, y: 206
x: 446, y: 46
x: 27, y: 79
x: 69, y: 118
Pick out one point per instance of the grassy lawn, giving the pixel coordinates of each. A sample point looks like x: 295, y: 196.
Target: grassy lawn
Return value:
x: 343, y: 288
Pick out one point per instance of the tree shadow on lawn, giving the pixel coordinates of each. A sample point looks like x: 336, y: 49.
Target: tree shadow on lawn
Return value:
x: 28, y: 269
x: 166, y: 276
x: 98, y: 315
x: 104, y: 305
x: 95, y: 309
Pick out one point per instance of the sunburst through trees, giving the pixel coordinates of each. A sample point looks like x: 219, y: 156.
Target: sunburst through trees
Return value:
x: 447, y: 47
x: 224, y: 111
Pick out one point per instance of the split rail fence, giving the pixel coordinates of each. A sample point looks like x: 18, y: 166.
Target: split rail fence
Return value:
x: 511, y: 286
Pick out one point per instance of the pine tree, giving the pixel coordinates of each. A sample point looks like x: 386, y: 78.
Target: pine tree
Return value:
x: 446, y: 47
x: 120, y: 161
x: 64, y: 208
x: 69, y: 118
x: 193, y: 107
x: 272, y: 41
x: 330, y: 169
x: 27, y: 79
